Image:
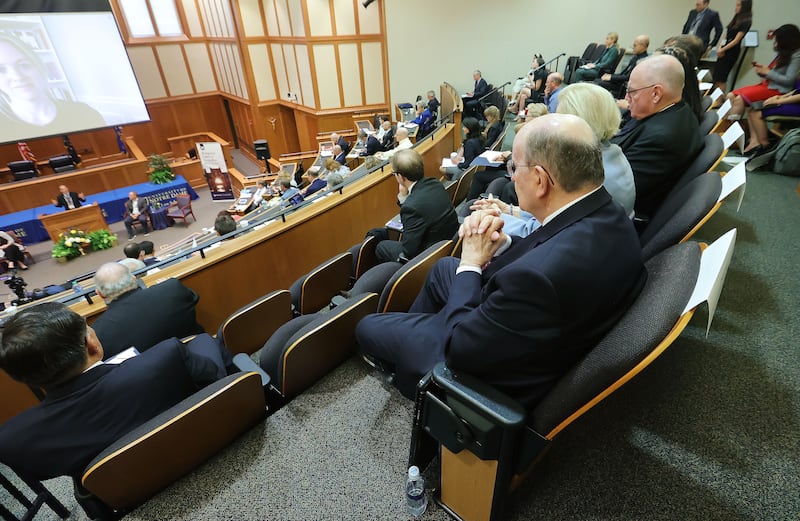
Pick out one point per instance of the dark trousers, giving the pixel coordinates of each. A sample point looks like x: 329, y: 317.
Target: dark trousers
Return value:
x: 129, y: 223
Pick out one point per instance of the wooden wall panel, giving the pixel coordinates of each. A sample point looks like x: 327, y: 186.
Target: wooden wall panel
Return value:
x: 262, y: 71
x: 319, y: 21
x: 242, y: 116
x: 296, y: 14
x: 284, y: 22
x: 306, y: 78
x: 251, y: 17
x: 327, y: 76
x: 369, y: 20
x: 345, y: 17
x: 175, y: 71
x: 271, y: 15
x: 280, y: 70
x: 372, y: 56
x: 147, y: 72
x: 291, y: 71
x: 192, y: 18
x: 201, y: 69
x: 351, y: 74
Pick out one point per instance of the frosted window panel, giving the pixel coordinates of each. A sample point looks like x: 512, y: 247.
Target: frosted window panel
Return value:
x: 351, y: 74
x: 146, y: 69
x: 200, y: 66
x: 345, y: 17
x: 319, y: 17
x: 373, y: 73
x: 251, y: 17
x: 262, y: 73
x: 174, y: 68
x: 283, y: 17
x: 327, y: 77
x: 272, y: 18
x: 166, y: 15
x: 291, y: 69
x: 138, y: 18
x: 369, y: 21
x: 280, y: 70
x: 192, y: 18
x: 306, y: 80
x: 296, y: 12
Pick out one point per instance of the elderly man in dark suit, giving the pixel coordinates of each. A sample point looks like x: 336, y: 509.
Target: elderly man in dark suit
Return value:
x: 662, y: 138
x: 519, y: 312
x: 68, y: 200
x: 141, y: 317
x: 614, y: 83
x: 701, y: 21
x: 472, y: 102
x: 89, y: 403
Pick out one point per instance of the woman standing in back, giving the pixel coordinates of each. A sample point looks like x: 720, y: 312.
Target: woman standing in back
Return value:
x: 728, y: 50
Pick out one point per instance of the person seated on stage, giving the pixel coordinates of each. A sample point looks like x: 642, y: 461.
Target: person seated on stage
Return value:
x: 68, y: 200
x: 532, y: 86
x: 426, y: 211
x: 606, y: 63
x: 424, y: 119
x: 552, y: 87
x: 403, y: 143
x: 336, y: 139
x: 315, y: 183
x: 472, y: 99
x: 136, y: 209
x: 339, y: 155
x: 615, y: 82
x: 11, y: 252
x: 148, y: 257
x: 433, y: 104
x: 663, y: 138
x: 472, y: 147
x: 90, y: 403
x: 518, y: 313
x: 224, y: 224
x: 334, y: 167
x: 372, y: 144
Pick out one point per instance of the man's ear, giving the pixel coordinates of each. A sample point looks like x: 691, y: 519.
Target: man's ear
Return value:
x: 94, y: 349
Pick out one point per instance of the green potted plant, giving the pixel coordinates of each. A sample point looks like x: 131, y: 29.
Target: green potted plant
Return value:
x: 102, y: 239
x: 161, y: 173
x: 70, y: 244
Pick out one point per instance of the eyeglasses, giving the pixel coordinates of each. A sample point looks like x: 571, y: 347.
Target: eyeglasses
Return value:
x: 514, y: 167
x: 628, y: 92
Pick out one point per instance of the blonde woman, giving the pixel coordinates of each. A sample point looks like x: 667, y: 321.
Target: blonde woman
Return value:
x: 606, y: 64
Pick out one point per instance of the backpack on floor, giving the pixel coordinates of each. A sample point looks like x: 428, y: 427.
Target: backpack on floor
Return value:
x: 786, y: 160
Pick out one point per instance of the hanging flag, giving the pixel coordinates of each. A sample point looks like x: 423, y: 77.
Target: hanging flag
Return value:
x: 120, y: 142
x: 25, y: 151
x: 71, y: 150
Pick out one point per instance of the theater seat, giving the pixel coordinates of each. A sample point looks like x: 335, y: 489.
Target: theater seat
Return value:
x: 249, y: 327
x: 313, y: 291
x: 22, y: 169
x: 63, y: 163
x: 488, y: 441
x: 171, y: 445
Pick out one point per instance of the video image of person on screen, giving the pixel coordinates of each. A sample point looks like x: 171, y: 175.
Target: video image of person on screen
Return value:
x: 27, y: 105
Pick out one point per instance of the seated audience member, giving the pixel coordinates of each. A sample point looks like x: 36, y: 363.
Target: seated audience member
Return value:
x: 334, y: 179
x: 339, y: 155
x: 334, y: 167
x: 403, y: 143
x: 472, y: 147
x: 433, y: 104
x: 287, y: 192
x: 662, y: 138
x: 534, y: 110
x: 148, y: 257
x: 224, y: 224
x: 596, y: 106
x: 315, y: 183
x: 136, y: 209
x: 386, y: 135
x: 784, y: 105
x: 778, y: 77
x: 691, y: 87
x: 518, y: 313
x: 551, y: 89
x: 372, y: 145
x: 336, y: 139
x: 141, y: 317
x: 690, y: 43
x: 11, y: 252
x: 425, y: 210
x: 263, y: 191
x: 133, y: 256
x: 494, y: 125
x: 605, y: 65
x: 614, y: 83
x: 532, y: 86
x: 472, y: 99
x: 424, y: 119
x: 90, y: 404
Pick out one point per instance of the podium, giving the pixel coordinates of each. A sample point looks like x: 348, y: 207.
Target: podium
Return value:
x: 88, y: 218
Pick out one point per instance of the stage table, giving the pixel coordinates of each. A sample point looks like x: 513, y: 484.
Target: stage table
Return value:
x: 27, y: 226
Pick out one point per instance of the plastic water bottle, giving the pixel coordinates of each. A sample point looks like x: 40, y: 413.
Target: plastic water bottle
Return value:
x: 415, y: 492
x: 76, y: 287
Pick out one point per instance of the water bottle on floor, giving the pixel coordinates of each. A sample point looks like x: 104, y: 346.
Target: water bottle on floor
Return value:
x: 415, y: 492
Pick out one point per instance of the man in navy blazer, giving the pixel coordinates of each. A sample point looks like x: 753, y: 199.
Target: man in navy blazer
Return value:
x: 518, y: 313
x: 90, y: 403
x: 472, y: 103
x: 701, y: 21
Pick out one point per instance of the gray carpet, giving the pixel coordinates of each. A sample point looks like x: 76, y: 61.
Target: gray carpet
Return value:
x: 709, y: 432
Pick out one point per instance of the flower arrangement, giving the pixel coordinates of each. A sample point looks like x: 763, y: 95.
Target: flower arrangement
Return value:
x: 161, y: 173
x: 72, y: 243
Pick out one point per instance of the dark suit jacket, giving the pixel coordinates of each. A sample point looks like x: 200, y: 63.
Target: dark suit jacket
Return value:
x: 81, y: 417
x: 481, y: 89
x: 433, y: 106
x: 341, y: 158
x: 344, y: 144
x: 144, y: 205
x: 659, y: 148
x: 144, y: 317
x: 388, y: 140
x: 709, y: 21
x: 61, y: 201
x: 493, y: 133
x: 546, y: 301
x: 315, y: 186
x: 473, y: 147
x: 427, y: 216
x: 625, y: 74
x: 373, y: 146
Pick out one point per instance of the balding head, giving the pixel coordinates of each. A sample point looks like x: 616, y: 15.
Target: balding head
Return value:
x: 401, y: 134
x: 112, y: 280
x: 641, y: 43
x: 557, y: 159
x: 555, y: 79
x: 655, y: 83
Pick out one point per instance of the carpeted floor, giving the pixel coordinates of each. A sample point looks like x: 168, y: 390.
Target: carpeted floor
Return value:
x: 709, y: 432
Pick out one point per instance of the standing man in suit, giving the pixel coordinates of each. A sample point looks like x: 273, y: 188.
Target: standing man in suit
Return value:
x: 662, y: 138
x: 137, y: 209
x: 141, y: 317
x: 518, y: 313
x: 68, y: 200
x: 433, y: 104
x: 701, y: 21
x: 89, y: 403
x: 472, y: 104
x: 426, y: 211
x: 614, y: 83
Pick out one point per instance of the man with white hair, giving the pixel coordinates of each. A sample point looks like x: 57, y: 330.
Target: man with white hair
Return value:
x: 662, y: 138
x: 403, y: 143
x: 141, y: 317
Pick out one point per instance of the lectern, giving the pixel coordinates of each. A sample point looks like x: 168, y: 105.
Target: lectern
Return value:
x: 88, y: 218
